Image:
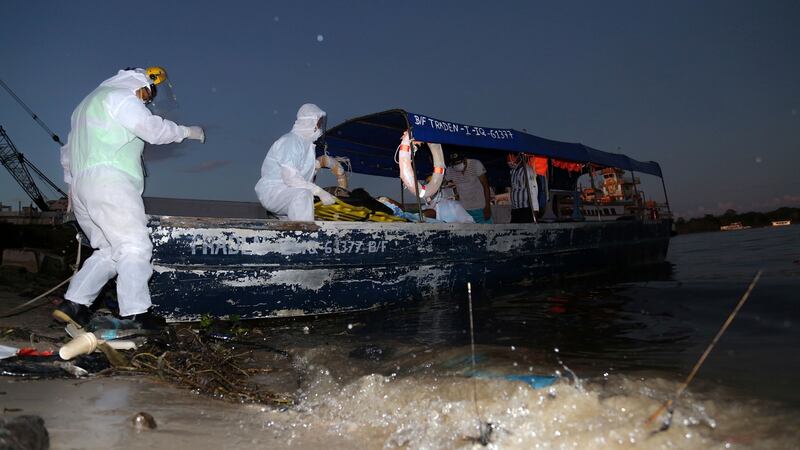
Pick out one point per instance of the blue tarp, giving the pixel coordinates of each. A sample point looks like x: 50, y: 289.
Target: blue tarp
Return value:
x: 371, y: 141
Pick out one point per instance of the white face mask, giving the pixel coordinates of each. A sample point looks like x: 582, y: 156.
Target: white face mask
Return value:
x: 459, y: 166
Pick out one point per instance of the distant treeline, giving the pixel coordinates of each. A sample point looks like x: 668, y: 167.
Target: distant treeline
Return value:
x: 753, y: 219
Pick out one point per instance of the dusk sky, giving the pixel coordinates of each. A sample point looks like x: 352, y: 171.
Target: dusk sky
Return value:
x: 709, y: 89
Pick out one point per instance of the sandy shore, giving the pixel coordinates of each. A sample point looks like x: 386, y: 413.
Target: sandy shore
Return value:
x: 95, y: 412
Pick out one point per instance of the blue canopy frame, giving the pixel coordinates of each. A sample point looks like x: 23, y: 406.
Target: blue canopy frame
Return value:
x: 370, y: 142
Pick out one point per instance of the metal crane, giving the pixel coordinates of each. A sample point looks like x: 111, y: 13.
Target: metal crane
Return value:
x: 20, y: 168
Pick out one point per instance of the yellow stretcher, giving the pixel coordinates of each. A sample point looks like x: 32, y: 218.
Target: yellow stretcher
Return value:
x: 341, y: 211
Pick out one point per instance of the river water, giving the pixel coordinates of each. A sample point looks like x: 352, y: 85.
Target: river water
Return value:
x: 619, y: 346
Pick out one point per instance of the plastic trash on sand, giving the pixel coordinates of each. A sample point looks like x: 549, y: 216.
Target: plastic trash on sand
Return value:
x: 7, y: 352
x: 85, y: 342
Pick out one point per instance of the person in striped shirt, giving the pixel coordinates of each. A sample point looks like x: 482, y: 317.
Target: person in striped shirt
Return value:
x: 469, y: 177
x: 523, y: 188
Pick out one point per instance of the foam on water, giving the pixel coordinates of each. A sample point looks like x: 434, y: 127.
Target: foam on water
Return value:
x: 433, y: 412
x: 425, y: 402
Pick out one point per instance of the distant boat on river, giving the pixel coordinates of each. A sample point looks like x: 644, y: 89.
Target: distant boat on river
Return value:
x: 781, y: 223
x: 734, y: 226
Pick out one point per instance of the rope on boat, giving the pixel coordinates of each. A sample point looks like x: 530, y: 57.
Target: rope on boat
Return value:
x: 341, y: 211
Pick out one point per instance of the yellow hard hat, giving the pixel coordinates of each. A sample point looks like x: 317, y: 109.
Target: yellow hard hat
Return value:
x: 156, y: 74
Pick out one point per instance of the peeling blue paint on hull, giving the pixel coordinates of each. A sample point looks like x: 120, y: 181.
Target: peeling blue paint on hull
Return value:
x: 269, y: 268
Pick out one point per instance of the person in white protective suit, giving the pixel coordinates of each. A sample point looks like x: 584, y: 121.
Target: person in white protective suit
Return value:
x: 285, y: 187
x: 102, y: 163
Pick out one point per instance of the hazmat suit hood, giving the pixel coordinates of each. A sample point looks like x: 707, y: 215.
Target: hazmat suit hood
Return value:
x: 306, y: 124
x: 132, y: 80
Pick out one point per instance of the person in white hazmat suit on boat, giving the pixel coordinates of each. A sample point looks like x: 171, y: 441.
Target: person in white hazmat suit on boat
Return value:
x: 102, y: 163
x: 286, y: 186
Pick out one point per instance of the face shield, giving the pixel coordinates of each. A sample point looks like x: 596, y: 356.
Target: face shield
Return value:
x: 163, y: 100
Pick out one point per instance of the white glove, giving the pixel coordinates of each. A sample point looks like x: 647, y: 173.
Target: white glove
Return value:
x: 325, y: 197
x: 197, y: 134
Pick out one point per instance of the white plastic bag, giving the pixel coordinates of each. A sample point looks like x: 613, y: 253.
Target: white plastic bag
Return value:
x: 451, y: 211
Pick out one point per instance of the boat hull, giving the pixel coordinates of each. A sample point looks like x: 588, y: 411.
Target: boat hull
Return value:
x: 269, y: 268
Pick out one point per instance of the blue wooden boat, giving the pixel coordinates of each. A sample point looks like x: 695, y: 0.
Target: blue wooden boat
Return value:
x: 258, y: 268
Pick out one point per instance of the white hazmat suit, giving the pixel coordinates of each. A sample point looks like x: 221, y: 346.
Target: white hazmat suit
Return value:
x: 102, y: 165
x: 286, y: 186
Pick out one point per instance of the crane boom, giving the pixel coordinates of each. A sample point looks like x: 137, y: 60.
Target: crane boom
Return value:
x: 20, y: 168
x: 41, y: 123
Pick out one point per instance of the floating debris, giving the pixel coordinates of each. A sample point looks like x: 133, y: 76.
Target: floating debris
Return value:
x: 182, y: 356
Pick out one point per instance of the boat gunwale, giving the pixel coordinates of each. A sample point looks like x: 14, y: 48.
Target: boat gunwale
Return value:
x: 166, y: 221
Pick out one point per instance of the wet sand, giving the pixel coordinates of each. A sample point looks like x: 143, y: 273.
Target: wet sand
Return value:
x: 96, y: 412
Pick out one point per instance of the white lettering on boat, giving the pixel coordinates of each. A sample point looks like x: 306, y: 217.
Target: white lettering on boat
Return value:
x: 230, y: 245
x: 345, y: 247
x: 466, y: 130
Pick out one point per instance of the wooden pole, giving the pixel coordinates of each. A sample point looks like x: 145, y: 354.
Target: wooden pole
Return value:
x: 668, y: 404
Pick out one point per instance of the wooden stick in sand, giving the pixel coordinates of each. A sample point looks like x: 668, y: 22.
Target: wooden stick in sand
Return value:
x: 668, y: 404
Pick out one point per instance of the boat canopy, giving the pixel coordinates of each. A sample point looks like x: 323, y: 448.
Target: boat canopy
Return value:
x: 370, y: 142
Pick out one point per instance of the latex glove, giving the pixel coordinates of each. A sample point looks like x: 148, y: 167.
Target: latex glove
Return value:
x: 325, y: 197
x: 197, y: 134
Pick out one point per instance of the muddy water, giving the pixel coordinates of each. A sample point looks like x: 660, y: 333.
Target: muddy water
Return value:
x: 621, y: 346
x: 404, y: 377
